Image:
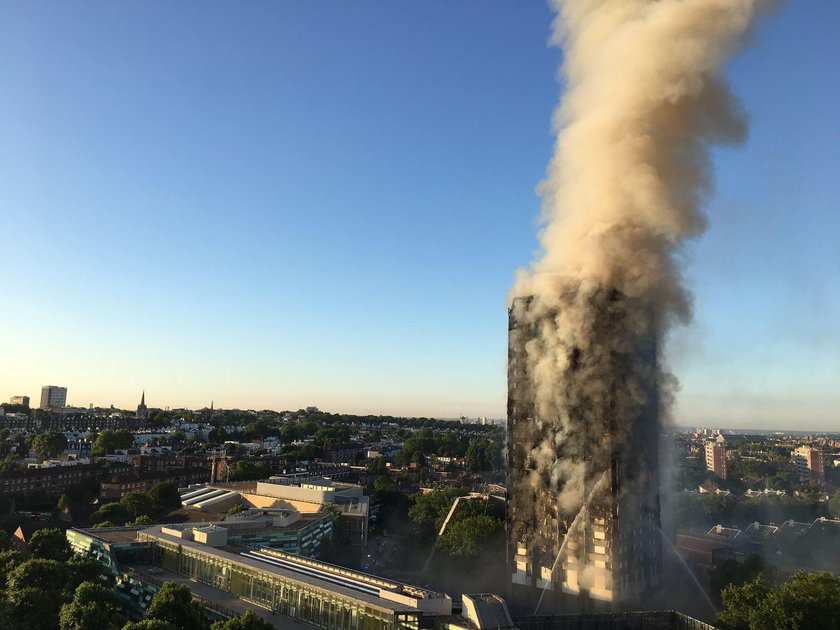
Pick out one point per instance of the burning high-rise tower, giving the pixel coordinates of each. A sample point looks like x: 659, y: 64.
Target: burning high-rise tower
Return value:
x: 583, y: 485
x: 587, y: 388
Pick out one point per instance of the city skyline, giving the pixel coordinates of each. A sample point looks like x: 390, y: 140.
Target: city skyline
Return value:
x: 298, y: 207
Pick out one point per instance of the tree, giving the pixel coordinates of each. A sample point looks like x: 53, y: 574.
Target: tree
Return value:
x: 50, y: 544
x: 173, y: 603
x: 378, y: 466
x: 259, y: 430
x: 834, y: 505
x: 733, y: 572
x: 806, y: 601
x: 109, y: 441
x: 93, y: 607
x: 248, y: 621
x: 83, y: 569
x: 48, y: 445
x: 21, y: 445
x: 813, y: 599
x: 248, y: 471
x: 149, y: 624
x: 236, y: 509
x: 7, y: 617
x: 106, y: 524
x: 35, y: 591
x: 108, y: 512
x: 386, y: 490
x: 470, y: 536
x: 165, y: 496
x: 140, y: 521
x: 138, y: 504
x: 176, y: 437
x: 9, y: 560
x: 334, y: 434
x: 10, y: 462
x: 483, y: 454
x: 63, y: 502
x: 430, y: 508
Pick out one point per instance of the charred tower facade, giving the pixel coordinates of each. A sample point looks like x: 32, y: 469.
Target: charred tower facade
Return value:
x: 583, y: 433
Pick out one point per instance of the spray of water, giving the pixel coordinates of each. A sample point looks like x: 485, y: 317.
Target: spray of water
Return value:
x: 578, y: 516
x: 688, y: 570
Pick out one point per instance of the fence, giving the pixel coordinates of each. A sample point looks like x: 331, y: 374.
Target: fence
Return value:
x: 643, y: 620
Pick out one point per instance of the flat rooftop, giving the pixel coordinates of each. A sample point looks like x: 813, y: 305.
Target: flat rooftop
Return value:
x: 129, y: 534
x: 114, y: 534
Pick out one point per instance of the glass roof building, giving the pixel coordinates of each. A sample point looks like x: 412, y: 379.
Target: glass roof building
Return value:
x: 227, y: 578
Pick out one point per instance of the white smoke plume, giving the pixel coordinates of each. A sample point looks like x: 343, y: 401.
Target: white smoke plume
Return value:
x: 644, y: 99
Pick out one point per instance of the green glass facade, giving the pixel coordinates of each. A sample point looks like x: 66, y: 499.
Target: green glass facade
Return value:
x: 321, y: 608
x: 135, y: 593
x: 303, y: 542
x: 127, y: 565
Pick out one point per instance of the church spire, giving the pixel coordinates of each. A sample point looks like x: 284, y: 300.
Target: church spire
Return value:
x: 141, y: 408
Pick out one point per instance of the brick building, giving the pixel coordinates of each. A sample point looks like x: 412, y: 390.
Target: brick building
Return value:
x: 138, y: 481
x: 716, y: 459
x: 810, y: 463
x: 52, y: 480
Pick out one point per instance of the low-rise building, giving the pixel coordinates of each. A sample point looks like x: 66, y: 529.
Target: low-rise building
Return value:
x: 306, y: 495
x: 345, y: 452
x: 119, y: 486
x: 278, y: 586
x: 52, y: 480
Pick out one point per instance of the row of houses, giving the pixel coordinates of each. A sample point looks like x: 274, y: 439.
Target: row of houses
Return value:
x: 707, y: 549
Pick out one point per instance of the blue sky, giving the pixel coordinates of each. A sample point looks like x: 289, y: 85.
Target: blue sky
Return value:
x: 295, y: 203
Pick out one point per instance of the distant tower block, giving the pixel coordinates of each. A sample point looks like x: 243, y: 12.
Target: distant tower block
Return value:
x: 716, y: 459
x: 593, y: 445
x: 53, y: 397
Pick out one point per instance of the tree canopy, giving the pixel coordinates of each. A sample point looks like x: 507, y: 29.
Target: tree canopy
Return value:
x: 174, y: 604
x: 484, y: 454
x: 470, y: 536
x: 35, y: 591
x: 248, y: 471
x: 386, y: 490
x: 834, y: 505
x: 430, y: 508
x: 9, y: 559
x: 48, y: 445
x: 165, y: 496
x: 247, y: 621
x: 93, y: 607
x: 109, y: 441
x: 149, y: 624
x: 806, y: 601
x: 138, y: 504
x: 50, y: 544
